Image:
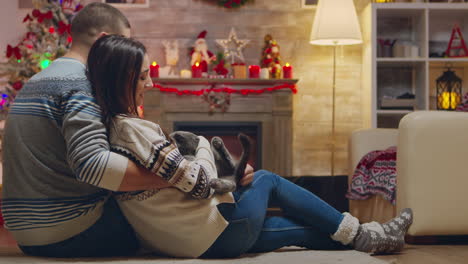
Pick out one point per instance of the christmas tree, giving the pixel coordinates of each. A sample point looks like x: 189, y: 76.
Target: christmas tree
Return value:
x: 47, y: 38
x: 271, y: 57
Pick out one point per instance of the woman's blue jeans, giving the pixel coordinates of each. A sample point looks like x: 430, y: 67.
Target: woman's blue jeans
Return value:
x: 308, y: 221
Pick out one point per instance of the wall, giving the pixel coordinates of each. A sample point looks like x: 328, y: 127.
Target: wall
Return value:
x: 290, y: 25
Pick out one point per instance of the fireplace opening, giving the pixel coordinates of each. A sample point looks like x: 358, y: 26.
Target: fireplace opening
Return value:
x: 228, y: 132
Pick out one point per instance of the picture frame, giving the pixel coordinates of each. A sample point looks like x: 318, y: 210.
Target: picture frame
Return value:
x: 309, y: 4
x: 127, y: 3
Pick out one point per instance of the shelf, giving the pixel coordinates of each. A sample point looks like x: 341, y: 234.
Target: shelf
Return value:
x: 393, y: 112
x: 210, y: 81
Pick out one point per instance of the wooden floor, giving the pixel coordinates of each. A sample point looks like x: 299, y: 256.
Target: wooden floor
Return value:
x: 413, y: 254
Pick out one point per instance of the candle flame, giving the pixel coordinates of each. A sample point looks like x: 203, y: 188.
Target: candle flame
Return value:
x: 154, y: 63
x: 197, y: 64
x: 287, y: 64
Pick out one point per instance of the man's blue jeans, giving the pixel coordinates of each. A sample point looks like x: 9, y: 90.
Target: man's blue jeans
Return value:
x: 308, y: 220
x: 110, y: 236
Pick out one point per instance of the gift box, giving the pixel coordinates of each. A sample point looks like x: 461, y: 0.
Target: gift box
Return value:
x: 239, y: 70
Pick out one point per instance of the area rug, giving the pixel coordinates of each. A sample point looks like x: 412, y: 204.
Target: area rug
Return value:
x: 288, y: 255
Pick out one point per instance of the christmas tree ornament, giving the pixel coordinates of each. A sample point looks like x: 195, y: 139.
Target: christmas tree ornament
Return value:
x: 271, y: 57
x: 232, y: 47
x: 200, y: 53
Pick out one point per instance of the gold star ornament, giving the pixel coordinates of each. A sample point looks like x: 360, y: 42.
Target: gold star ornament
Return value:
x: 233, y: 46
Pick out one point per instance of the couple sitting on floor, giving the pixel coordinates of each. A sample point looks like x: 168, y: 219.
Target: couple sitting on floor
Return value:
x: 84, y: 176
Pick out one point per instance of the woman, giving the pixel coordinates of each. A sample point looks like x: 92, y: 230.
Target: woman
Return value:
x: 189, y: 220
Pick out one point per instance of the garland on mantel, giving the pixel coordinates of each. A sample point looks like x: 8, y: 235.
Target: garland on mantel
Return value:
x: 220, y: 98
x: 225, y: 89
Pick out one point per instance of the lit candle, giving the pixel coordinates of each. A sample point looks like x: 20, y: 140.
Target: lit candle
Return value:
x: 287, y: 71
x: 196, y: 70
x: 154, y: 70
x: 265, y: 73
x: 254, y: 71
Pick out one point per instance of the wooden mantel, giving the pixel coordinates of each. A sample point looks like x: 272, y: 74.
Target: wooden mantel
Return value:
x: 273, y: 109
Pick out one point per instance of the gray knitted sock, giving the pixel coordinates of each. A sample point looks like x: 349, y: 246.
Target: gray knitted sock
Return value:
x: 384, y: 238
x: 372, y: 238
x: 399, y: 224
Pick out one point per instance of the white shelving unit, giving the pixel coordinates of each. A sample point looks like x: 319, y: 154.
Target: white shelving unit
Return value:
x: 419, y: 31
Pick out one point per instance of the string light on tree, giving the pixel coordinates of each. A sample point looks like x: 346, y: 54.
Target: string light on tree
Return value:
x: 233, y: 46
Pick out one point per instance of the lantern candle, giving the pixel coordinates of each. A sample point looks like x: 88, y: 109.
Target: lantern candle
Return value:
x: 254, y: 71
x: 287, y: 71
x: 154, y: 70
x: 448, y: 100
x: 196, y: 70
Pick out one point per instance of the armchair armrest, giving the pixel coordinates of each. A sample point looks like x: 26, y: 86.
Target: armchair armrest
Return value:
x: 432, y: 171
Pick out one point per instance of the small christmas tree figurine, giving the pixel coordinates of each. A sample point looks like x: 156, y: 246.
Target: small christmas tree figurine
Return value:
x: 271, y: 57
x: 47, y: 38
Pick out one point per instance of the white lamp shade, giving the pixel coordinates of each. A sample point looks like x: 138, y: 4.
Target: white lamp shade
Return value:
x: 335, y: 23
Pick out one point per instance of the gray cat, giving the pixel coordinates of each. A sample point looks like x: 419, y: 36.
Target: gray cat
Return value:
x: 229, y: 172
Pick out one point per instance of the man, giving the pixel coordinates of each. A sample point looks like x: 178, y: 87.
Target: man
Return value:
x: 58, y: 168
x: 57, y: 164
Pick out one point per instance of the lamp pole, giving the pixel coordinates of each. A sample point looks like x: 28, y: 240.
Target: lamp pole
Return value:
x: 335, y: 43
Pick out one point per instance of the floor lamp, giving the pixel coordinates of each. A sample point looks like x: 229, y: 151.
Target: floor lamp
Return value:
x: 335, y: 24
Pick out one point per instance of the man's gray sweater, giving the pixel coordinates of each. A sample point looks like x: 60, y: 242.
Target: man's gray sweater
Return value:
x: 57, y: 161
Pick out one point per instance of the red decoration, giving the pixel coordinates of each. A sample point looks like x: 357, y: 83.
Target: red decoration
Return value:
x: 27, y: 18
x: 254, y: 71
x: 17, y: 85
x: 460, y: 49
x: 51, y: 30
x: 197, y: 70
x: 41, y: 16
x: 63, y: 28
x: 225, y: 89
x: 154, y: 70
x: 13, y: 51
x: 69, y: 39
x: 287, y: 71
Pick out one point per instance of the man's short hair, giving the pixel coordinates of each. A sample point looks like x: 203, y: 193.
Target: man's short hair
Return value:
x: 95, y: 18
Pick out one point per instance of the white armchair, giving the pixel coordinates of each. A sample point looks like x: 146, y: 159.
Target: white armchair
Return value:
x: 432, y: 171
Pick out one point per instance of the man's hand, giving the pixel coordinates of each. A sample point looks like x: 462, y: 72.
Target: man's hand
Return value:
x: 248, y: 176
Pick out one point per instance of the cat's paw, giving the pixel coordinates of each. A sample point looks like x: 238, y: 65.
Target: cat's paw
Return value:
x: 222, y: 186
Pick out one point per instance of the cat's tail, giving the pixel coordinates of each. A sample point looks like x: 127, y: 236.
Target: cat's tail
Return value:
x: 245, y: 156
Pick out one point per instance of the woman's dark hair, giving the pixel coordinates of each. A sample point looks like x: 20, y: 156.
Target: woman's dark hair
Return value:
x: 114, y: 65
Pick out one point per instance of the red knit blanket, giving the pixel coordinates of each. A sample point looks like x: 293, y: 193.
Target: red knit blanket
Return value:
x: 375, y: 174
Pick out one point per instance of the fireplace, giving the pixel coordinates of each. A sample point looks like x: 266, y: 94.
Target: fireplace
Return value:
x: 265, y: 117
x: 228, y: 132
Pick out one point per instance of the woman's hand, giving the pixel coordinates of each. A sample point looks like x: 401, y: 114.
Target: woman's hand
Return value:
x: 248, y: 176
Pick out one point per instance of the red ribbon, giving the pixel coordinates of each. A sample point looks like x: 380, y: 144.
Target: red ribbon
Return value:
x: 62, y: 28
x: 13, y: 51
x: 41, y: 16
x: 27, y: 18
x: 225, y: 89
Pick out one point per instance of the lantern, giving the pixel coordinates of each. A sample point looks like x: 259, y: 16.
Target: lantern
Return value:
x: 449, y: 91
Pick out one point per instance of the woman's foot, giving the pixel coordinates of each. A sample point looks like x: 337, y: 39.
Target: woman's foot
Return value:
x: 384, y: 238
x: 374, y: 237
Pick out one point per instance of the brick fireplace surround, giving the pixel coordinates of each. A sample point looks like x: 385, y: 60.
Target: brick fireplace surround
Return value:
x: 273, y: 110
